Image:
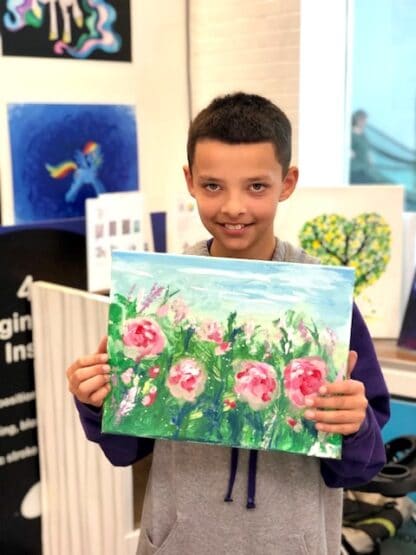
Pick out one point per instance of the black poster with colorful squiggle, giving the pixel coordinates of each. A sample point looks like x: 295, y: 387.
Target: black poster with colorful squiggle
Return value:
x: 77, y: 29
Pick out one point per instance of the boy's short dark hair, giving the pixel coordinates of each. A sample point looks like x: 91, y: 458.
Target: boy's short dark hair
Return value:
x: 243, y: 118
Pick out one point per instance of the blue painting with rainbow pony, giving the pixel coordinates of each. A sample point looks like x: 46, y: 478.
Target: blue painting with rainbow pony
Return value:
x: 64, y: 153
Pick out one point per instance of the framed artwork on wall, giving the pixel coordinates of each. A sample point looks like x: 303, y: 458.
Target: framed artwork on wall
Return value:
x: 89, y: 29
x: 225, y: 351
x: 360, y: 227
x: 64, y: 153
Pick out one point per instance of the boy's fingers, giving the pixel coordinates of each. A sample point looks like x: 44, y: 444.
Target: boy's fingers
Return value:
x: 97, y: 398
x: 89, y: 360
x: 335, y: 416
x: 87, y: 388
x: 346, y: 387
x: 344, y: 429
x: 83, y: 374
x: 102, y: 346
x: 339, y: 402
x: 352, y: 361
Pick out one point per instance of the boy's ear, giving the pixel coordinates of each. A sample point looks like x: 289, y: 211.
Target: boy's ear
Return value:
x: 188, y: 178
x: 289, y: 183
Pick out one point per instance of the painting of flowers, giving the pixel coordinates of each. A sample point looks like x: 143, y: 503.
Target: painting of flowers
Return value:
x: 225, y: 351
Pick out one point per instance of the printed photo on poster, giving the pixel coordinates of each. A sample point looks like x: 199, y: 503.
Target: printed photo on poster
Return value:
x: 77, y: 29
x: 64, y: 153
x: 225, y: 351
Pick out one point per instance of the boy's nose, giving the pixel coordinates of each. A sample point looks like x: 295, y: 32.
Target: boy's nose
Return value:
x: 233, y: 206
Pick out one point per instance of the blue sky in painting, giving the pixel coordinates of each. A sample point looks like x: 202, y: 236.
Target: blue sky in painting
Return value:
x: 214, y: 287
x: 51, y: 134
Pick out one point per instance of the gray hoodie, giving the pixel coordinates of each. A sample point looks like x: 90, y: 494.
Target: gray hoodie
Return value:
x: 185, y: 513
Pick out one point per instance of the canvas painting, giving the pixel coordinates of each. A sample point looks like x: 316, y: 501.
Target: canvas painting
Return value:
x: 225, y: 351
x: 360, y: 227
x: 64, y: 153
x: 86, y: 29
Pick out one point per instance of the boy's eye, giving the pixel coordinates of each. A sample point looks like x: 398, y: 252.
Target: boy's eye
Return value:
x: 211, y: 187
x: 257, y: 187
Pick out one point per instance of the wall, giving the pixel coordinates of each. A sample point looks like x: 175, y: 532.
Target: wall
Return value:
x: 250, y: 45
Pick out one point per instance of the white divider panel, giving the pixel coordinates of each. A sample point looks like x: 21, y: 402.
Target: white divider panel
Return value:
x: 87, y: 504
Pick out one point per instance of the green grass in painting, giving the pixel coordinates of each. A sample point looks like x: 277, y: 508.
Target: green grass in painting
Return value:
x: 216, y: 382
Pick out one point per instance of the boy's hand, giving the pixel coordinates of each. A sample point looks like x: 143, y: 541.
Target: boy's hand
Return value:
x: 340, y: 407
x: 88, y: 377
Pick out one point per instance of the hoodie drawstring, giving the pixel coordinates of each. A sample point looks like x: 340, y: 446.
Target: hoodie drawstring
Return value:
x: 251, y: 483
x: 233, y: 472
x: 251, y: 486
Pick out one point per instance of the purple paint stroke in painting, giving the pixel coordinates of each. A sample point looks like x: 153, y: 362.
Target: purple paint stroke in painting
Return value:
x: 155, y: 292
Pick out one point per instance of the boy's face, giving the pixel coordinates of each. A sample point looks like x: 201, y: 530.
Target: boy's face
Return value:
x: 237, y: 189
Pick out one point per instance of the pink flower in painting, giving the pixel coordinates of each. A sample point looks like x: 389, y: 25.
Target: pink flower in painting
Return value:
x: 127, y: 376
x: 303, y: 377
x: 222, y: 348
x: 154, y: 371
x: 180, y: 310
x: 256, y: 383
x: 142, y: 337
x: 186, y: 379
x: 211, y: 331
x: 150, y: 398
x: 162, y: 310
x: 304, y: 332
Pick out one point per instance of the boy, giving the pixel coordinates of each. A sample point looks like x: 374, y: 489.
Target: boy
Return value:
x: 238, y: 171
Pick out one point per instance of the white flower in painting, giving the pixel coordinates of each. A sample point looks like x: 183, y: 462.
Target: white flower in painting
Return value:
x: 139, y: 299
x: 328, y: 338
x: 128, y: 402
x: 248, y: 329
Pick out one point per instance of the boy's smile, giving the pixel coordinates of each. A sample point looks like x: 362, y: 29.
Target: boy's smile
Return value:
x: 237, y: 188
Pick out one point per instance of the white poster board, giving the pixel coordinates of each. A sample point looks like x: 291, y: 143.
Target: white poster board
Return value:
x: 184, y: 225
x: 113, y: 221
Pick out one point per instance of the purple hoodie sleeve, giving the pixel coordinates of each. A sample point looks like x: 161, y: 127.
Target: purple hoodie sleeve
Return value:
x: 120, y: 450
x: 363, y: 453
